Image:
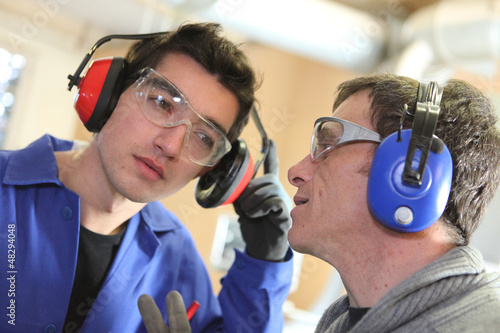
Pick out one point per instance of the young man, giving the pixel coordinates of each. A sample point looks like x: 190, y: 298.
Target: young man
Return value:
x: 83, y: 229
x: 396, y: 281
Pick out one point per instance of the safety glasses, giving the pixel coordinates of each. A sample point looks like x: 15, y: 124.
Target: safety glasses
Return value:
x: 330, y: 132
x: 164, y: 105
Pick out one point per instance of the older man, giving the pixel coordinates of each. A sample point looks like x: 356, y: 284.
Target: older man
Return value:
x: 406, y: 268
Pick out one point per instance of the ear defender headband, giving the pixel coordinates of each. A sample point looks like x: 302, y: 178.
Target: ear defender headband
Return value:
x: 411, y: 173
x: 101, y: 87
x: 225, y: 182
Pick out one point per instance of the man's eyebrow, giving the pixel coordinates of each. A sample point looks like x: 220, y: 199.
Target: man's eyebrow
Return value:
x: 208, y: 118
x: 216, y: 124
x: 328, y: 133
x: 174, y: 91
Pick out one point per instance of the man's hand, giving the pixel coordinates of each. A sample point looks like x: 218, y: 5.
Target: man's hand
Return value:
x: 153, y: 319
x: 264, y: 213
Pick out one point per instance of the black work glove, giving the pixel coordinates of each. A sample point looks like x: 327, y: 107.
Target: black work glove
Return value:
x: 153, y: 319
x: 264, y: 213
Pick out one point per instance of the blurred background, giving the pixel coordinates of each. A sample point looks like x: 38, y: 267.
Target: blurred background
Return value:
x: 302, y: 49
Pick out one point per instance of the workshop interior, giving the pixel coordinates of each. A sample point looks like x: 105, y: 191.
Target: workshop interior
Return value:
x: 301, y: 49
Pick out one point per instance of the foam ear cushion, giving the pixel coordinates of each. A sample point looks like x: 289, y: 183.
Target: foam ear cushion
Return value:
x: 99, y: 91
x: 402, y: 206
x: 225, y: 182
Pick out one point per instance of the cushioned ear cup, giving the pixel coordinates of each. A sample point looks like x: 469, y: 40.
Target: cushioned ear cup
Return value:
x: 402, y: 206
x: 224, y: 183
x: 99, y: 91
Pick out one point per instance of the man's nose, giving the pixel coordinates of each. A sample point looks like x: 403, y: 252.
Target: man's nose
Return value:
x: 301, y: 172
x: 170, y: 140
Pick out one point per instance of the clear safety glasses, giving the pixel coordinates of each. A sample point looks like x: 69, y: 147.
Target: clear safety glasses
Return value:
x: 330, y: 132
x: 165, y: 106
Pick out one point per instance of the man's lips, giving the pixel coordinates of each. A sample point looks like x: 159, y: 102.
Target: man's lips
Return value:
x: 152, y: 164
x: 299, y: 200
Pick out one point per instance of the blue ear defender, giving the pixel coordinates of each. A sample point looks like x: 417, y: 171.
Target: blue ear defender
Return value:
x: 411, y: 173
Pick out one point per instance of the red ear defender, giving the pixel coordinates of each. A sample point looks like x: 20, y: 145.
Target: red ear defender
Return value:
x: 99, y: 91
x: 225, y: 182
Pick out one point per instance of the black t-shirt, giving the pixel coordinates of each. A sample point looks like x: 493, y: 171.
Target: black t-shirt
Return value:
x: 355, y: 315
x: 96, y: 253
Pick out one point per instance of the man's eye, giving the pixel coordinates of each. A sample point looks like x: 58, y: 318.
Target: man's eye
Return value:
x: 322, y: 147
x: 321, y: 150
x: 161, y: 103
x: 204, y: 139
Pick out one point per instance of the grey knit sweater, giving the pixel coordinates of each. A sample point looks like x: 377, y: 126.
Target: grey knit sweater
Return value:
x: 452, y: 294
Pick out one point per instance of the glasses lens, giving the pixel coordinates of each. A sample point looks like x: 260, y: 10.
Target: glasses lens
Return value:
x: 206, y: 145
x: 327, y: 134
x: 165, y: 106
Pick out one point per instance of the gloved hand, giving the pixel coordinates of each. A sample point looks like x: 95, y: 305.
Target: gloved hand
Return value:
x: 264, y: 213
x: 153, y: 319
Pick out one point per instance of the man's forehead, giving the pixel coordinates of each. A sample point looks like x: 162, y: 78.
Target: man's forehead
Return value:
x: 188, y: 76
x: 356, y: 109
